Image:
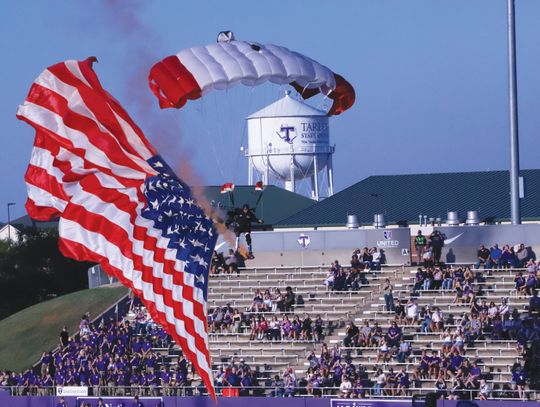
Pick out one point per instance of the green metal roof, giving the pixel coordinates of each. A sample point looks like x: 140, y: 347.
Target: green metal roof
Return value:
x: 404, y: 197
x: 276, y: 204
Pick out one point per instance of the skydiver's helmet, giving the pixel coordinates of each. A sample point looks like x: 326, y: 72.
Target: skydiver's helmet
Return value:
x: 245, y: 208
x: 225, y: 36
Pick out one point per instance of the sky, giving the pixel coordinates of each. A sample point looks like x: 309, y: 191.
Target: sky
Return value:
x: 430, y: 78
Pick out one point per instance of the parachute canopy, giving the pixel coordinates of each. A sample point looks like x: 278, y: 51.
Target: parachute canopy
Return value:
x: 193, y: 72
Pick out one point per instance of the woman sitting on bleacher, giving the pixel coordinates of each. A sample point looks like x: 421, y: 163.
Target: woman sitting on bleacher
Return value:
x: 286, y: 327
x: 267, y: 300
x: 296, y: 328
x: 258, y: 302
x: 519, y: 282
x: 278, y: 301
x: 274, y: 329
x: 448, y: 279
x: 531, y: 282
x: 236, y: 321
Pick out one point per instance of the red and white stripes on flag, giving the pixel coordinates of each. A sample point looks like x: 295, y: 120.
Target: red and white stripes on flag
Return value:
x: 88, y: 167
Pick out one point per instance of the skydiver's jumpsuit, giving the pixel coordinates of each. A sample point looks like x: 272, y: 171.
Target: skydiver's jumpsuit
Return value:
x: 243, y: 225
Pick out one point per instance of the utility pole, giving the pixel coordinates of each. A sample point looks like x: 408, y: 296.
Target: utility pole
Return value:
x: 514, y: 131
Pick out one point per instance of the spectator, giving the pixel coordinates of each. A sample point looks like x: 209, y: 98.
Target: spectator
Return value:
x: 380, y: 381
x: 351, y: 335
x: 437, y: 243
x: 448, y: 279
x: 420, y: 243
x: 483, y: 255
x: 404, y: 351
x: 365, y: 335
x: 376, y: 259
x: 403, y: 382
x: 231, y: 261
x: 388, y: 296
x: 383, y: 354
x: 345, y: 388
x: 290, y: 299
x: 427, y: 257
x: 218, y: 263
x: 495, y: 256
x: 484, y: 390
x: 399, y: 309
x: 522, y: 255
x: 64, y: 337
x: 412, y: 311
x: 394, y: 334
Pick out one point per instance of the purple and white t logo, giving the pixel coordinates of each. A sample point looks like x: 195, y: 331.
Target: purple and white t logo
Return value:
x: 304, y: 240
x: 286, y: 137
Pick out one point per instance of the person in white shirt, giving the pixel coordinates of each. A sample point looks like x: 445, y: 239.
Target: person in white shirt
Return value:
x: 484, y: 390
x: 345, y: 388
x: 412, y: 311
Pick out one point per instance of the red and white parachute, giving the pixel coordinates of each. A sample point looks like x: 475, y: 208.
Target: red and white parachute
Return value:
x: 193, y: 72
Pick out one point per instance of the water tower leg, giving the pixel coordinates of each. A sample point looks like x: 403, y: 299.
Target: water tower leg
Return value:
x: 315, y: 178
x: 292, y: 186
x: 267, y: 172
x: 250, y: 171
x: 330, y: 175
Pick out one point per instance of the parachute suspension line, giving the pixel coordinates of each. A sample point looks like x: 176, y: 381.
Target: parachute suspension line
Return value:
x: 324, y: 99
x: 244, y: 132
x: 206, y: 131
x: 221, y: 137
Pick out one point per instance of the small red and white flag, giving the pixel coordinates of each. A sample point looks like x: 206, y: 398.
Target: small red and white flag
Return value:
x: 227, y: 187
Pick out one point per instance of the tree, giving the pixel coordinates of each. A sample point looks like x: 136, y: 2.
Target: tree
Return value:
x: 34, y: 270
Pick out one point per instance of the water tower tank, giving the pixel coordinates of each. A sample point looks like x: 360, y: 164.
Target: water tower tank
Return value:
x: 289, y: 141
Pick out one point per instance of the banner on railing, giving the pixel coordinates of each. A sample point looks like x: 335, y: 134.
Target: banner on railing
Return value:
x: 369, y: 403
x: 71, y: 391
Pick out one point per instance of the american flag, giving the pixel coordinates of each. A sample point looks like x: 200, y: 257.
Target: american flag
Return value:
x: 119, y: 203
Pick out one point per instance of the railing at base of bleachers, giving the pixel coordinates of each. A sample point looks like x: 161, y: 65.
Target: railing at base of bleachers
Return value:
x: 264, y: 391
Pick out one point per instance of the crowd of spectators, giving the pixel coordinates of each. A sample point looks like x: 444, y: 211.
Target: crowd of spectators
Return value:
x: 114, y: 358
x: 277, y: 327
x: 509, y: 256
x: 363, y: 261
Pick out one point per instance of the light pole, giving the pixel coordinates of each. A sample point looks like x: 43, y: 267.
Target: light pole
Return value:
x: 514, y: 134
x: 10, y: 204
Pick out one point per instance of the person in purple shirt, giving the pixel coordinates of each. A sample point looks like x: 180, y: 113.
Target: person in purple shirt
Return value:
x: 165, y: 380
x: 101, y: 365
x: 456, y: 361
x: 146, y: 347
x: 434, y: 365
x: 59, y: 378
x: 403, y: 382
x: 110, y: 380
x: 135, y: 380
x: 62, y: 403
x: 95, y: 380
x: 473, y: 377
x: 83, y: 376
x: 136, y: 347
x: 137, y: 402
x: 394, y: 335
x: 150, y: 362
x: 495, y: 256
x: 121, y: 381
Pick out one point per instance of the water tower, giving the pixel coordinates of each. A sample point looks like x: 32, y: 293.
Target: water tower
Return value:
x: 289, y: 141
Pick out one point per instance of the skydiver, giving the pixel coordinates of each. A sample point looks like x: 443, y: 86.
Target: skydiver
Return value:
x: 243, y: 218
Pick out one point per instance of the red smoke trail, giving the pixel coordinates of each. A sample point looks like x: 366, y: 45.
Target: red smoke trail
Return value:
x: 144, y: 48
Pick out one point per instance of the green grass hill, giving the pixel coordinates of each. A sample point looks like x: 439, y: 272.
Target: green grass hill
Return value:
x: 24, y: 336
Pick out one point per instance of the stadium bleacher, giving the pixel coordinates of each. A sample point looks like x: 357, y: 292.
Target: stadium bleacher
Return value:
x: 286, y: 366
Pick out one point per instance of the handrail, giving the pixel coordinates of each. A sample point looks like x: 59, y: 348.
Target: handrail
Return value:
x: 272, y: 391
